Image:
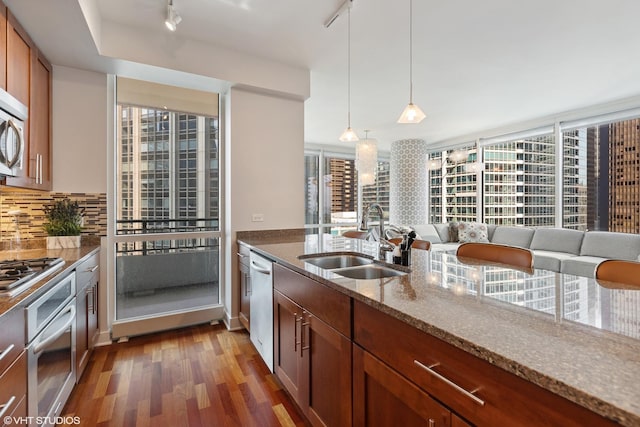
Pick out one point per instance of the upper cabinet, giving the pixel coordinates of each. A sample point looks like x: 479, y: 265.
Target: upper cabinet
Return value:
x: 28, y: 78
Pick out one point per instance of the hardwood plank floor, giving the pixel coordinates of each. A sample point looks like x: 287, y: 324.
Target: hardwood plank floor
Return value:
x: 198, y: 376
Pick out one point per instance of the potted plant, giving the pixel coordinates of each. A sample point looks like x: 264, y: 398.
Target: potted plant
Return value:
x: 64, y: 224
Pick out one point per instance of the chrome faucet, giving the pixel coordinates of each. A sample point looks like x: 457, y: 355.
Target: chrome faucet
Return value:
x: 385, y: 246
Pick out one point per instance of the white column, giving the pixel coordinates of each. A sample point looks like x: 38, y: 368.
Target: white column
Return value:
x: 408, y: 182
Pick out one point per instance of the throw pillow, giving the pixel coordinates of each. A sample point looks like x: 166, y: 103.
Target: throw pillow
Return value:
x: 472, y: 232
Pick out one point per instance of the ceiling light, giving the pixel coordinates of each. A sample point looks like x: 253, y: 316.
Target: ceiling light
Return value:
x: 367, y: 160
x: 412, y: 113
x: 349, y: 134
x: 173, y: 19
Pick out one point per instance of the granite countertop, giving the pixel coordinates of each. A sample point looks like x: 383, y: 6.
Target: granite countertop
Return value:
x: 71, y: 257
x: 585, y: 360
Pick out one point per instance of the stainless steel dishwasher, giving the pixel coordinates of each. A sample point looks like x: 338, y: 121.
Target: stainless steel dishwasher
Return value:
x: 261, y: 307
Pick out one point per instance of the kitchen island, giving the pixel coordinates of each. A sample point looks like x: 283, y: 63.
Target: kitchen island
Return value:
x: 563, y: 334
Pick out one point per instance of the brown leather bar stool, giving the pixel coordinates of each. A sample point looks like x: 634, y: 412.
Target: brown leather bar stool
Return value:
x: 503, y: 254
x: 618, y: 274
x: 355, y: 234
x: 417, y: 244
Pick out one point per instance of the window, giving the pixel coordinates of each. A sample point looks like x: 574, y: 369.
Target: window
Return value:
x: 332, y: 197
x: 602, y: 172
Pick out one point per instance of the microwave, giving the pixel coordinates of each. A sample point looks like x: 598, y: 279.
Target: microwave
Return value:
x: 12, y: 117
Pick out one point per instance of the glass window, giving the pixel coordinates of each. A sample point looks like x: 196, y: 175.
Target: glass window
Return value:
x: 519, y: 182
x: 331, y: 201
x: 453, y: 185
x: 602, y: 176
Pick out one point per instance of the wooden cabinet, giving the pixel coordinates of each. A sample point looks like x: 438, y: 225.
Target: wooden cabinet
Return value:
x: 13, y: 365
x: 470, y: 387
x: 312, y: 347
x: 382, y: 397
x: 3, y: 46
x: 28, y: 79
x: 87, y: 277
x: 245, y: 285
x: 13, y: 389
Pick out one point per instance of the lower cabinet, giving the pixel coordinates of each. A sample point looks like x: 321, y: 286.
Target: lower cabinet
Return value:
x: 312, y: 359
x: 87, y: 276
x: 245, y: 286
x: 13, y: 390
x: 382, y: 397
x: 473, y: 389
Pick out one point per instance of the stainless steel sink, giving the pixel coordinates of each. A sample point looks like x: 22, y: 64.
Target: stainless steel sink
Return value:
x: 371, y: 271
x: 330, y: 262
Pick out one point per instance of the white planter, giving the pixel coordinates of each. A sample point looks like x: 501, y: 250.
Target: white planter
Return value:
x: 63, y: 242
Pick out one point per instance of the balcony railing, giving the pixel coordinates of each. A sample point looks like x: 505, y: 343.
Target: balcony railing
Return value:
x: 166, y: 225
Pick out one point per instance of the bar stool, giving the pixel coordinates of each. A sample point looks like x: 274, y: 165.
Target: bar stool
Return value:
x: 503, y: 254
x: 624, y: 274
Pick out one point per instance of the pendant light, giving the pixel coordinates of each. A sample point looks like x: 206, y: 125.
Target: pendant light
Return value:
x: 367, y: 159
x: 412, y: 113
x: 349, y: 134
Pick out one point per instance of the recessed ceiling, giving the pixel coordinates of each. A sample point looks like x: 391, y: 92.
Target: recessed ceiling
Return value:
x: 477, y: 65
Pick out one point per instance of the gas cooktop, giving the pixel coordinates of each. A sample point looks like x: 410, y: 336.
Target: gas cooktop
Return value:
x: 19, y: 274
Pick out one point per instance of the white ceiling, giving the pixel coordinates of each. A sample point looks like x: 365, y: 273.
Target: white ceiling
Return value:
x: 478, y: 65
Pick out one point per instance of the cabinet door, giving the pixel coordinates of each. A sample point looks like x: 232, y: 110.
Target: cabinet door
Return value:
x: 3, y: 46
x: 92, y: 315
x: 245, y: 291
x: 40, y: 119
x: 382, y: 397
x: 287, y: 317
x: 326, y: 387
x: 82, y: 341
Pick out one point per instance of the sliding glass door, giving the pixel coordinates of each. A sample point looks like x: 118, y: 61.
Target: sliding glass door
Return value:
x: 167, y: 242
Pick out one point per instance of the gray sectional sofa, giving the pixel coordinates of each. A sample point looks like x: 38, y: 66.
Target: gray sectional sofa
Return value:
x: 556, y: 249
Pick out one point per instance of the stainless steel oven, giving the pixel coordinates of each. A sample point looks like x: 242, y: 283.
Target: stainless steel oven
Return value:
x: 51, y: 351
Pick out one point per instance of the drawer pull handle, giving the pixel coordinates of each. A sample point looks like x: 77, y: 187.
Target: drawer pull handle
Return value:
x: 6, y: 351
x: 241, y: 255
x: 5, y: 407
x: 467, y: 393
x: 92, y: 269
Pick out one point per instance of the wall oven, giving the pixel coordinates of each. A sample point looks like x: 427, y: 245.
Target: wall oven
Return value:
x: 51, y: 351
x: 12, y: 116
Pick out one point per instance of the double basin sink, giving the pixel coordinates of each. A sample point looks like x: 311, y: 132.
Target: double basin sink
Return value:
x: 353, y: 266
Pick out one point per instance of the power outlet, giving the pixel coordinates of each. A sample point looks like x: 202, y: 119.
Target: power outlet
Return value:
x: 257, y: 217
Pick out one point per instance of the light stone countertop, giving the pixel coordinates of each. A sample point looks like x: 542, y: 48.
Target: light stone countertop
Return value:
x: 564, y: 333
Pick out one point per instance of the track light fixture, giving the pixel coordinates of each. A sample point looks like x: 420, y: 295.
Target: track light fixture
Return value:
x: 173, y: 19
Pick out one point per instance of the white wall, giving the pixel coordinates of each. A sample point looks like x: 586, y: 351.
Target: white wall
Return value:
x: 265, y: 172
x: 79, y: 131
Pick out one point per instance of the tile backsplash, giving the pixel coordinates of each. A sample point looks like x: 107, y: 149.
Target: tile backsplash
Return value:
x: 30, y: 218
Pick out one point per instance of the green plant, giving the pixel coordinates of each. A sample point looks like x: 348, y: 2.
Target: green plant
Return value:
x: 64, y: 218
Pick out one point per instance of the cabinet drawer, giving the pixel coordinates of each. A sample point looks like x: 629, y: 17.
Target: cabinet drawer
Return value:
x: 329, y: 305
x: 87, y: 270
x: 243, y: 255
x: 13, y: 384
x: 12, y: 337
x: 478, y: 391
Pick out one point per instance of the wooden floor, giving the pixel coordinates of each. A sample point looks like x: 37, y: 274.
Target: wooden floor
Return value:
x: 198, y: 376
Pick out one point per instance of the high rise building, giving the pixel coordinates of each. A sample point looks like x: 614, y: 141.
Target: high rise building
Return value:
x: 624, y: 176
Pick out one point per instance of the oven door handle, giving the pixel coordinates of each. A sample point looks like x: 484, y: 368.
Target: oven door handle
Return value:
x: 39, y: 346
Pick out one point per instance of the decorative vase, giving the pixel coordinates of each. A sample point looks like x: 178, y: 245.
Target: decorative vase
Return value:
x: 63, y: 242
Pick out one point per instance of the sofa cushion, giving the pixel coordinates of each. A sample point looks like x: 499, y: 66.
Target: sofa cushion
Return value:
x: 472, y: 232
x: 513, y: 236
x: 491, y: 228
x: 611, y: 245
x: 453, y: 231
x: 443, y: 231
x: 549, y: 260
x: 557, y: 240
x: 449, y: 246
x: 427, y: 232
x: 581, y: 265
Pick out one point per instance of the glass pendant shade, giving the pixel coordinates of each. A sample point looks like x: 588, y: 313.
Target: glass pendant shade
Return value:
x: 434, y: 164
x: 411, y: 114
x: 349, y: 135
x: 367, y: 161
